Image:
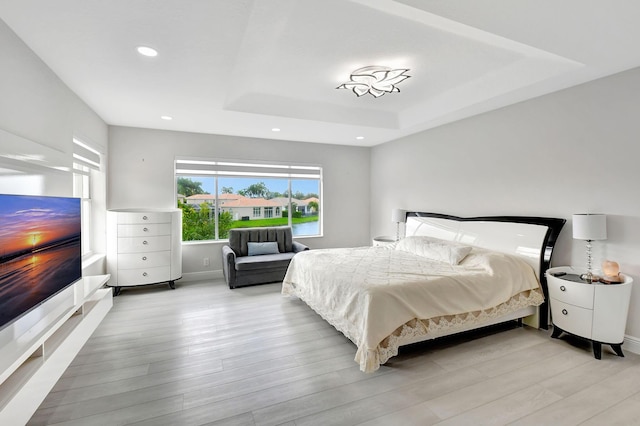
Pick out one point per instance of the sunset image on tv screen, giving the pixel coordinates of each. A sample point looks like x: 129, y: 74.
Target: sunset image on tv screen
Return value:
x: 40, y: 250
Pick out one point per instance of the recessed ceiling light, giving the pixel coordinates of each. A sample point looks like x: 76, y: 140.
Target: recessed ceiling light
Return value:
x: 166, y: 117
x: 275, y: 129
x: 359, y: 137
x: 147, y: 51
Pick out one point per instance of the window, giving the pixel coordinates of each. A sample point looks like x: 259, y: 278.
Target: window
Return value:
x: 86, y: 163
x: 242, y: 194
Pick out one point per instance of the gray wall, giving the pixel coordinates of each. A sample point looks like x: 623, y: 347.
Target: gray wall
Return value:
x: 39, y: 114
x: 35, y: 104
x: 574, y: 151
x: 141, y: 174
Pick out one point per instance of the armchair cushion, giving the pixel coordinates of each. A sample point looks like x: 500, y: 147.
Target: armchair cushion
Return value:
x: 267, y: 261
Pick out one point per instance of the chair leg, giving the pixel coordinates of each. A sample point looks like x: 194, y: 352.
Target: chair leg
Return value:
x: 597, y: 350
x: 617, y: 349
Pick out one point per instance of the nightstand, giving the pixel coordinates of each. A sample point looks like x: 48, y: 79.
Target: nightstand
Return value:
x: 594, y: 311
x: 383, y: 241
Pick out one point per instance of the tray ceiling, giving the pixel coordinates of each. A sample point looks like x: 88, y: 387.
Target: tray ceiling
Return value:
x: 245, y: 67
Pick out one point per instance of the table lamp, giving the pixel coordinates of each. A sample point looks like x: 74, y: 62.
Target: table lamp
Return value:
x: 589, y: 227
x: 398, y: 216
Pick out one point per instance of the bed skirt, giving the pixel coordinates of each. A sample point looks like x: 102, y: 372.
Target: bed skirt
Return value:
x: 426, y: 329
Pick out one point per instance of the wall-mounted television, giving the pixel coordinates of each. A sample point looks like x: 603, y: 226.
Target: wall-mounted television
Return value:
x: 40, y: 251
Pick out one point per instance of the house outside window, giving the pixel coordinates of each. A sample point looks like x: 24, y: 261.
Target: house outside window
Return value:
x: 216, y: 196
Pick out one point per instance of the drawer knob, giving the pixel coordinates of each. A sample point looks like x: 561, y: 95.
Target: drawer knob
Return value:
x: 145, y: 229
x: 145, y: 218
x: 145, y: 242
x: 564, y: 312
x: 563, y: 288
x: 144, y: 274
x: 144, y: 257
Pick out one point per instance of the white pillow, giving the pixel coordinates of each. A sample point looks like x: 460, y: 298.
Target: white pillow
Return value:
x: 434, y: 249
x: 257, y: 249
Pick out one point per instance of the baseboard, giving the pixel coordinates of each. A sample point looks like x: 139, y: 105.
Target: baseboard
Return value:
x: 202, y: 276
x: 632, y: 344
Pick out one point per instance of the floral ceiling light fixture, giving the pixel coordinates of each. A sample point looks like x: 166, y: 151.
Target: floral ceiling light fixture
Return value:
x: 375, y: 80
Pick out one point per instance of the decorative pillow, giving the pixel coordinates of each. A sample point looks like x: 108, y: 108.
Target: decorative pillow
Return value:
x: 434, y: 249
x: 257, y: 249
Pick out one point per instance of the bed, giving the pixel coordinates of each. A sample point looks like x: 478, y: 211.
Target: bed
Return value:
x: 449, y: 274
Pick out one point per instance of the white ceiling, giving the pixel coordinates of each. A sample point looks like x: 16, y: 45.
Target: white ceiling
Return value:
x: 243, y: 67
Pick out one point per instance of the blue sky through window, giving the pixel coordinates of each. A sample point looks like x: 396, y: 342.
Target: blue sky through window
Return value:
x: 306, y: 186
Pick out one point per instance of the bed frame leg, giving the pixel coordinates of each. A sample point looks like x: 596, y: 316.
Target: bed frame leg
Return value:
x: 519, y: 322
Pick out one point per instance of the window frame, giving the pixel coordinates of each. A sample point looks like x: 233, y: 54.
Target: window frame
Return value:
x: 190, y: 167
x: 85, y: 163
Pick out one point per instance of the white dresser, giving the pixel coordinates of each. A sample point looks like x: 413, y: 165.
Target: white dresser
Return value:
x: 595, y: 311
x: 144, y: 247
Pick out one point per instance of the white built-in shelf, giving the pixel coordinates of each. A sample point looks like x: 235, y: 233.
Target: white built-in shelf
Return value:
x: 34, y: 359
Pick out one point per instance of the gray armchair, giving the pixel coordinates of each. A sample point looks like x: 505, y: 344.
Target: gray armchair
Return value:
x: 240, y: 269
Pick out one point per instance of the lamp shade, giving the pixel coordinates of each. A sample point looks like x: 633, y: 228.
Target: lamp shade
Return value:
x: 398, y: 215
x: 589, y: 226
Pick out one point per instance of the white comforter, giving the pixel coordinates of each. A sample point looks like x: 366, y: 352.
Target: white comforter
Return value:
x: 373, y: 294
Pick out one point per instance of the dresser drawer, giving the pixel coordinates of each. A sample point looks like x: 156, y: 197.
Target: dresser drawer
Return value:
x: 144, y: 217
x: 144, y: 244
x: 572, y: 318
x: 143, y: 230
x: 144, y: 260
x: 577, y: 294
x: 144, y: 275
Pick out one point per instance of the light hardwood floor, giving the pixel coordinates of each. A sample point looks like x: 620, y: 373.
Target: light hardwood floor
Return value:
x: 204, y: 354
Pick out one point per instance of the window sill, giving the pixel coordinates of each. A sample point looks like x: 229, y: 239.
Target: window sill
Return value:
x: 94, y: 264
